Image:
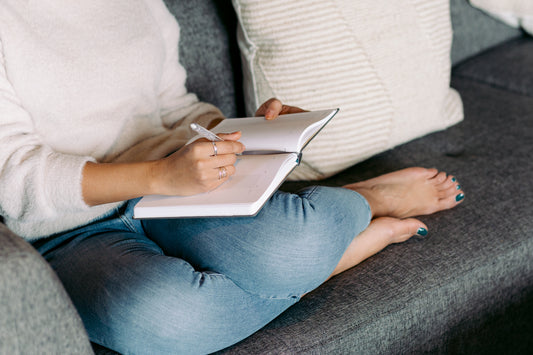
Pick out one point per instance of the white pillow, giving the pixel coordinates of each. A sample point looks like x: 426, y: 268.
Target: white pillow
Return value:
x: 515, y: 13
x: 385, y: 64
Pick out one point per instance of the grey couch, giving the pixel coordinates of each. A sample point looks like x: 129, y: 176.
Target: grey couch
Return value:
x: 465, y: 288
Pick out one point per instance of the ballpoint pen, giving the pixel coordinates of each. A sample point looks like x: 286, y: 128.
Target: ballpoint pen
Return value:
x: 204, y: 132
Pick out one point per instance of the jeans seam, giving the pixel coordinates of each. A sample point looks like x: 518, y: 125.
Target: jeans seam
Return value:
x: 368, y: 209
x: 128, y: 223
x: 272, y: 297
x: 311, y: 192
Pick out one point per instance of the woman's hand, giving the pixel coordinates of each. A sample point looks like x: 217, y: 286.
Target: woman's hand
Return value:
x: 195, y: 168
x: 272, y: 108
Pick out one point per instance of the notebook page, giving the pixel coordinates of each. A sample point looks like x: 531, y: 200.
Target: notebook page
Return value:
x: 287, y: 133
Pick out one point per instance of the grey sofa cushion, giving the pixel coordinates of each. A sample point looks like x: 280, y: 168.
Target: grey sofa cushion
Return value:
x: 207, y: 53
x: 421, y: 295
x: 474, y: 31
x: 36, y: 314
x: 509, y: 66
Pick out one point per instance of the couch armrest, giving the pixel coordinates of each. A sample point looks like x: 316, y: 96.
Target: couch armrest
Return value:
x: 36, y: 314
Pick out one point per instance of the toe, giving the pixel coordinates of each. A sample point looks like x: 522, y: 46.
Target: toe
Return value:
x: 408, y: 227
x: 432, y: 172
x: 450, y: 197
x: 446, y: 184
x: 439, y: 178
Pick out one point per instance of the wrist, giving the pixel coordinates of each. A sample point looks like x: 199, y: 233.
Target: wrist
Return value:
x: 153, y: 177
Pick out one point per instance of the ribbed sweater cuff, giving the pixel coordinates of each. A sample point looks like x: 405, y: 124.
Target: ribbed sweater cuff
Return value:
x: 63, y: 178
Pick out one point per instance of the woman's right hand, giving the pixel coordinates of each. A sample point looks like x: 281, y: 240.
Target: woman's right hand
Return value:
x: 195, y: 168
x: 191, y: 170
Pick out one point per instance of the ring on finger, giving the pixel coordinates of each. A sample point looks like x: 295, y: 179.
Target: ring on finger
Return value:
x: 222, y: 173
x: 215, y: 149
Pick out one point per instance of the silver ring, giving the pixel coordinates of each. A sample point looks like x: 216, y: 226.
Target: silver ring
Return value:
x: 222, y: 173
x: 215, y: 149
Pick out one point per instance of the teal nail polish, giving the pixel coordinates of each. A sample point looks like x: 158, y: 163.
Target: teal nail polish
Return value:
x: 458, y: 187
x: 454, y: 179
x: 459, y: 197
x: 422, y: 232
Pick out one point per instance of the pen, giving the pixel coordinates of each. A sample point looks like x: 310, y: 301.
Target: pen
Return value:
x: 204, y: 132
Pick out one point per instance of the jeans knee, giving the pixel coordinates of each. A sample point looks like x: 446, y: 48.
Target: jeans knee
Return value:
x: 321, y: 223
x: 333, y: 217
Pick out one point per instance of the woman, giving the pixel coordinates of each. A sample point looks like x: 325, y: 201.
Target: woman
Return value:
x: 94, y: 114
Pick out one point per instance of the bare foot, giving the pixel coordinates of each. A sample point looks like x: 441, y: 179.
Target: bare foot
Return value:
x: 410, y: 192
x: 380, y: 233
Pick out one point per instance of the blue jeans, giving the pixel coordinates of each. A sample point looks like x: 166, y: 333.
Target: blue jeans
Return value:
x: 199, y: 285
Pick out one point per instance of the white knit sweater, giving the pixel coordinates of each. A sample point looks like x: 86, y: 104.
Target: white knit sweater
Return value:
x: 85, y: 80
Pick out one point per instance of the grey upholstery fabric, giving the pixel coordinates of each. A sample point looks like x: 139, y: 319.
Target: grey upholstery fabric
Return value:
x: 207, y: 53
x: 509, y: 66
x: 474, y: 31
x: 423, y: 295
x: 36, y: 314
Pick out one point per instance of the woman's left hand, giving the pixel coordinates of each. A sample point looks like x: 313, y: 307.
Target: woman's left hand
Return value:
x: 273, y: 108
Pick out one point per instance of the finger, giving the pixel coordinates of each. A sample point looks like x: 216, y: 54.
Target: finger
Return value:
x: 273, y: 109
x: 220, y: 161
x: 224, y: 172
x: 228, y: 147
x: 202, y: 150
x: 270, y: 109
x: 234, y: 136
x: 220, y: 175
x: 286, y: 109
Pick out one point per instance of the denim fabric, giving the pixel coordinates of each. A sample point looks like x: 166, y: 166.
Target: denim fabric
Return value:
x: 199, y: 285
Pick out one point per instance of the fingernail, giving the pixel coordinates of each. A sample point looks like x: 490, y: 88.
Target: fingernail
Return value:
x: 269, y: 114
x: 422, y: 232
x: 458, y: 187
x: 459, y: 197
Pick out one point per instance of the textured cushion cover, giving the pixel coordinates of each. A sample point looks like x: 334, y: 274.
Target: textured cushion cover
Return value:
x: 423, y: 295
x: 516, y: 13
x: 385, y: 64
x: 509, y: 66
x: 36, y: 314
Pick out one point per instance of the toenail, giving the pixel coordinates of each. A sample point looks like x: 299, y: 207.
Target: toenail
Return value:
x: 422, y: 232
x: 454, y: 179
x: 459, y: 197
x: 458, y: 187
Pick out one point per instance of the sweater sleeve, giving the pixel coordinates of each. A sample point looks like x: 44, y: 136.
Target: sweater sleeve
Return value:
x: 178, y: 107
x: 36, y: 182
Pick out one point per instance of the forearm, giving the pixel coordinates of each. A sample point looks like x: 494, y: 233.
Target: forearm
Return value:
x: 113, y: 182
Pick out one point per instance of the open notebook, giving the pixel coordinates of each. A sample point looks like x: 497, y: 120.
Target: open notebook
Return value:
x: 273, y: 150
